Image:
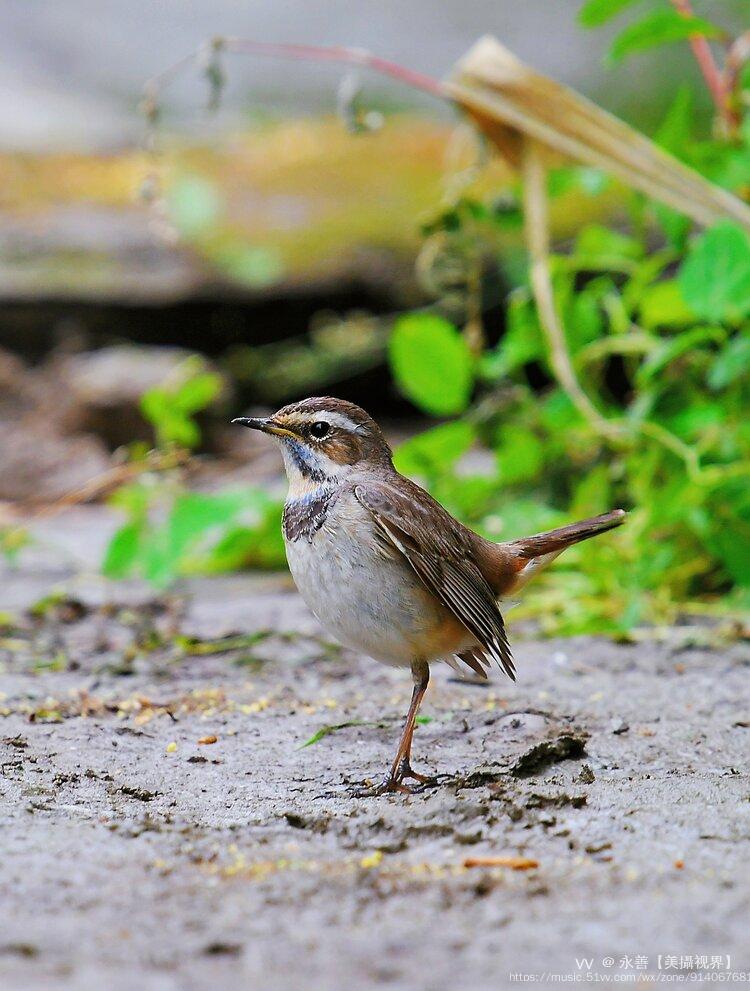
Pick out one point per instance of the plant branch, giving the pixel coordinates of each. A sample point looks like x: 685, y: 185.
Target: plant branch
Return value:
x: 713, y: 76
x: 104, y: 483
x: 536, y: 221
x: 305, y: 53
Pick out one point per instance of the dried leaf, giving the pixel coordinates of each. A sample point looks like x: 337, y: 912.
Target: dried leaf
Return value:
x: 514, y: 863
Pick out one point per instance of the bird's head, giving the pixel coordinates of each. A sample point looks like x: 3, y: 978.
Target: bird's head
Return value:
x: 322, y: 439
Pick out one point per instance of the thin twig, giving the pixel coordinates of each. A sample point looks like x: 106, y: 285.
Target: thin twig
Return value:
x: 105, y: 482
x: 715, y: 79
x: 672, y: 443
x: 737, y: 56
x: 307, y: 53
x: 536, y: 221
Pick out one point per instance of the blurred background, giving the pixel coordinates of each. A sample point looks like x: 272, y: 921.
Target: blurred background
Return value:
x: 157, y: 279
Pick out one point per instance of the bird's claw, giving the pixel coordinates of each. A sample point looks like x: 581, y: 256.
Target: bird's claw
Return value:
x: 394, y: 782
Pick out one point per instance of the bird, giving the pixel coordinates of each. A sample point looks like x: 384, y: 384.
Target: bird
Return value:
x: 385, y: 568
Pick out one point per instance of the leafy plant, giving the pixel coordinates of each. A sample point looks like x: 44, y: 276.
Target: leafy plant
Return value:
x: 172, y: 532
x: 657, y: 333
x: 172, y: 407
x: 432, y: 363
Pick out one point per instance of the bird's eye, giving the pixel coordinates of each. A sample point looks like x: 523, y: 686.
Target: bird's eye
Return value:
x: 320, y: 429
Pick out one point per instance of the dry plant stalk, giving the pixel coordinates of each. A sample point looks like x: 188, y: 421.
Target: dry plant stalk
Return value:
x: 510, y: 101
x: 536, y: 229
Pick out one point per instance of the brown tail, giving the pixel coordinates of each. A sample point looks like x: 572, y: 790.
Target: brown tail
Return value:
x: 555, y: 541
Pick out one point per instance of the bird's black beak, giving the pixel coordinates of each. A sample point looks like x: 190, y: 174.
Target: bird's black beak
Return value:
x: 266, y: 424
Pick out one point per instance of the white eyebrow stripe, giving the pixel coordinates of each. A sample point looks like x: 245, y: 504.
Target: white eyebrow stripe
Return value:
x: 334, y: 418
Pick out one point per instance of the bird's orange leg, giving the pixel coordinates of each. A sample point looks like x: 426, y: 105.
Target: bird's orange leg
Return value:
x: 401, y: 768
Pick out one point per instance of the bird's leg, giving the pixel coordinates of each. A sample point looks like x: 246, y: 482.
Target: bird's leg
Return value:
x: 401, y: 768
x: 402, y: 764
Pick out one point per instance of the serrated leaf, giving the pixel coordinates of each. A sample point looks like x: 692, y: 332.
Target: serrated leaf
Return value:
x: 660, y: 28
x: 432, y: 363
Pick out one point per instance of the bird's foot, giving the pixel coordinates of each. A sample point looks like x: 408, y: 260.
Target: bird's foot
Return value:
x: 393, y: 782
x: 405, y: 771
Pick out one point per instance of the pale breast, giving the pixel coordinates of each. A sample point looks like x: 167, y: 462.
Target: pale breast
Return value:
x: 369, y: 598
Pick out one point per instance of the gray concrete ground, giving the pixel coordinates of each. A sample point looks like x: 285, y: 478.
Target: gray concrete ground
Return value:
x: 135, y: 855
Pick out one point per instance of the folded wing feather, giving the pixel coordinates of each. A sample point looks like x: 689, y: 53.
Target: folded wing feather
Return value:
x: 442, y: 560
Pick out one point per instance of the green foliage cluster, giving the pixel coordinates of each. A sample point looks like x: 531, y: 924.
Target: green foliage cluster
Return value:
x: 658, y: 27
x: 172, y: 532
x: 657, y: 325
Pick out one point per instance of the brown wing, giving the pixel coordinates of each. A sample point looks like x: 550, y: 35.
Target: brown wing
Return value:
x: 440, y: 552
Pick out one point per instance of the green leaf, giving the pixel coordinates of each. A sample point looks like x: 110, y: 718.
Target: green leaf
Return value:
x: 673, y: 348
x: 251, y: 265
x: 660, y: 28
x: 170, y: 407
x: 432, y: 363
x: 597, y: 12
x: 333, y: 728
x: 194, y: 205
x: 123, y: 551
x: 132, y: 499
x: 715, y: 277
x: 677, y: 127
x: 520, y: 454
x: 522, y: 516
x: 601, y: 244
x: 260, y: 546
x: 194, y: 513
x: 436, y: 450
x: 466, y: 496
x: 730, y: 364
x: 676, y: 226
x: 581, y: 178
x: 198, y: 392
x: 663, y: 305
x: 583, y: 320
x: 521, y: 344
x: 592, y: 493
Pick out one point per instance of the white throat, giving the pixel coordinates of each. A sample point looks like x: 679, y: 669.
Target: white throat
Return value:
x: 309, y: 470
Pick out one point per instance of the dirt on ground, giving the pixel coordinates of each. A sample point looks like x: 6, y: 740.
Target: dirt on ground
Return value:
x: 164, y: 827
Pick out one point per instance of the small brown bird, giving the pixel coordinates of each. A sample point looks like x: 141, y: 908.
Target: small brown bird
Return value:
x: 384, y: 567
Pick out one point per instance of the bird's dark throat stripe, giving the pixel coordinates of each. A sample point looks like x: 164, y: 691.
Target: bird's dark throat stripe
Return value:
x: 300, y: 456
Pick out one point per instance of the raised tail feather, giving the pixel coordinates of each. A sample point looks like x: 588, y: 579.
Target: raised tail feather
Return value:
x: 555, y: 541
x: 519, y: 560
